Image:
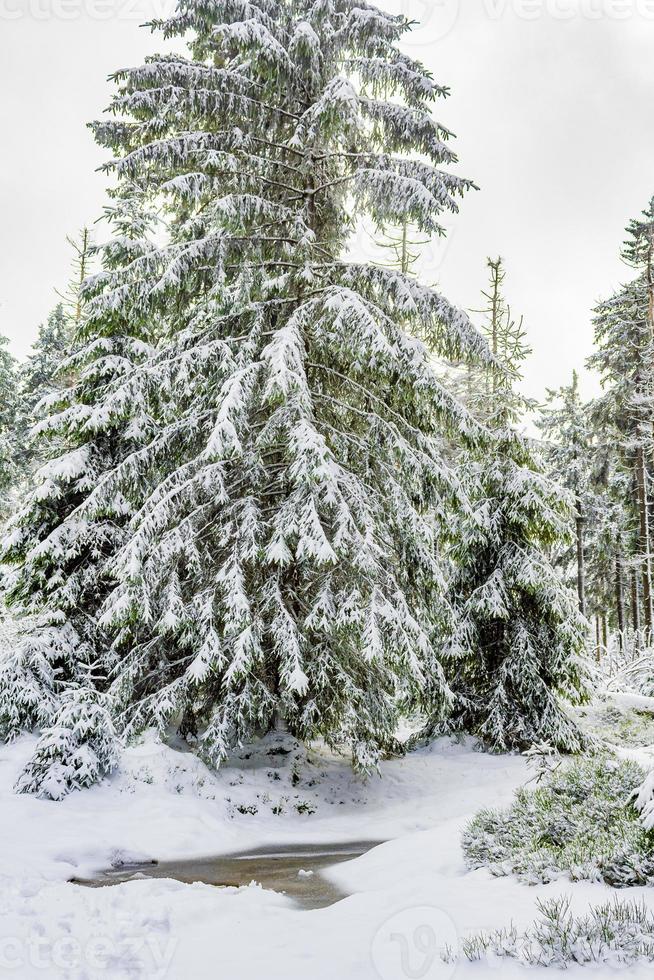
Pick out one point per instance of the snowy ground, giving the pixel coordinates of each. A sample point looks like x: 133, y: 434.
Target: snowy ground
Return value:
x: 165, y: 804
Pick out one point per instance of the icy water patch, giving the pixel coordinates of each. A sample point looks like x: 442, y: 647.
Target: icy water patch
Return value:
x: 293, y: 870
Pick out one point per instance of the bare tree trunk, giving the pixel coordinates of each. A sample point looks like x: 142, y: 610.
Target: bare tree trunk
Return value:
x: 82, y: 268
x: 405, y: 262
x: 581, y: 568
x: 642, y: 465
x: 635, y: 607
x: 619, y: 598
x: 646, y: 564
x: 598, y: 640
x: 650, y: 282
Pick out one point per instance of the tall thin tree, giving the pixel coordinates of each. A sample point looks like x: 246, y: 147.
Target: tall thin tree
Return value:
x: 516, y: 650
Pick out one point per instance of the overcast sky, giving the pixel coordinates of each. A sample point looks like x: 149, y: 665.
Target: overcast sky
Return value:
x: 551, y: 102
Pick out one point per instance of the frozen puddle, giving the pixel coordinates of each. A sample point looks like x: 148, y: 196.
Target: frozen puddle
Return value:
x: 291, y: 869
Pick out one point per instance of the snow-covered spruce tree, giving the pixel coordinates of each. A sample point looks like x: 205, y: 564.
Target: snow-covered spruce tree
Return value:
x: 8, y: 445
x: 565, y: 423
x: 76, y: 750
x: 624, y: 327
x: 72, y: 297
x: 57, y: 553
x: 519, y: 639
x: 285, y: 559
x: 43, y: 372
x: 38, y: 379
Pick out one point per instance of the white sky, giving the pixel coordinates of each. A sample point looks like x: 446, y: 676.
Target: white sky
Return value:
x: 551, y: 101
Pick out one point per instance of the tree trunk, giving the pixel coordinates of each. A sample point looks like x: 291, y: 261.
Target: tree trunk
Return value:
x: 619, y: 599
x: 650, y: 283
x: 405, y: 263
x: 635, y: 607
x: 646, y: 564
x: 581, y: 569
x: 642, y: 481
x: 598, y: 640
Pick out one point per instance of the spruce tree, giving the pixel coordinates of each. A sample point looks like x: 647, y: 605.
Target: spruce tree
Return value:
x: 76, y: 749
x: 43, y: 372
x: 566, y: 425
x: 72, y: 298
x: 401, y: 246
x: 286, y: 508
x: 519, y: 638
x: 38, y: 379
x: 8, y: 442
x: 638, y: 252
x: 58, y: 551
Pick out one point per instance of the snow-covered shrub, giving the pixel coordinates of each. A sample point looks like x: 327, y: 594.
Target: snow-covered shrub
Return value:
x: 580, y: 822
x: 75, y: 751
x: 629, y: 665
x: 617, y: 932
x: 617, y: 719
x: 644, y: 800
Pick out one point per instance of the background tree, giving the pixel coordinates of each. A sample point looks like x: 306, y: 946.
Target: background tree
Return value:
x: 565, y: 424
x: 8, y: 443
x: 72, y: 298
x: 41, y: 376
x: 58, y: 554
x: 38, y: 379
x: 604, y: 452
x: 519, y: 638
x: 580, y: 452
x: 624, y: 358
x: 401, y: 245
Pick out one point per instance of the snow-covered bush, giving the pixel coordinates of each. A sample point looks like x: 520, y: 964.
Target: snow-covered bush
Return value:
x: 580, y: 822
x: 75, y: 751
x: 644, y: 800
x: 628, y: 665
x: 616, y: 933
x: 617, y: 719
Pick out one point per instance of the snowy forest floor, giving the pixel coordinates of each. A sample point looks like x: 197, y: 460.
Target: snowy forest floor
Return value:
x: 165, y: 804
